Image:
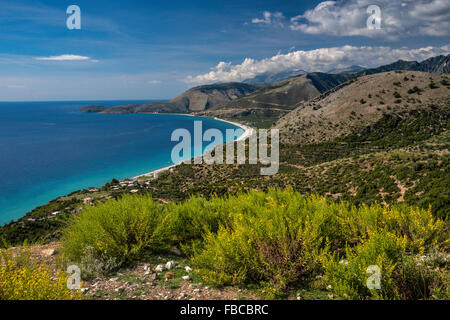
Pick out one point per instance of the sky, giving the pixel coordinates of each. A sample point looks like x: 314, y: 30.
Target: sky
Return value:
x: 157, y: 49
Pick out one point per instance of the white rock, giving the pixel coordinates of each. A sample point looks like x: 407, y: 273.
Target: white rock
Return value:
x: 160, y: 268
x: 188, y: 269
x: 186, y: 278
x: 49, y: 252
x: 170, y: 265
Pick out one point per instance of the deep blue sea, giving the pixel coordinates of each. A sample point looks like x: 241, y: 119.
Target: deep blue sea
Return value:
x: 50, y: 149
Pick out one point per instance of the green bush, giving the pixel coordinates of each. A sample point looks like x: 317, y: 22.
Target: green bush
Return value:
x: 348, y: 276
x: 274, y: 242
x: 277, y: 239
x: 287, y: 239
x: 119, y: 230
x: 420, y: 277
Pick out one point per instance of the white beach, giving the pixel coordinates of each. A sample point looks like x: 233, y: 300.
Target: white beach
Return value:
x: 247, y: 133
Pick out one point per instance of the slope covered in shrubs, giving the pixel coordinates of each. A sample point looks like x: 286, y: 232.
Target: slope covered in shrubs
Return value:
x: 276, y: 241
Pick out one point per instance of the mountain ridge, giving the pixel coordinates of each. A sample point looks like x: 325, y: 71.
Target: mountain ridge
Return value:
x: 248, y: 102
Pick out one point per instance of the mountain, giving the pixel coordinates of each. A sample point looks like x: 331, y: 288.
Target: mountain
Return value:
x: 212, y: 96
x: 285, y: 94
x: 362, y: 103
x: 263, y: 105
x: 347, y: 70
x: 439, y: 64
x: 266, y: 105
x: 269, y: 78
x: 200, y: 98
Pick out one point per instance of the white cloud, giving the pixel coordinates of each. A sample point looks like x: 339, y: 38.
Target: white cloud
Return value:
x: 399, y: 19
x: 322, y: 59
x: 65, y: 57
x: 274, y: 18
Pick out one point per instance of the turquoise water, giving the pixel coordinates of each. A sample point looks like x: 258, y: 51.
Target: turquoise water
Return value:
x: 50, y: 149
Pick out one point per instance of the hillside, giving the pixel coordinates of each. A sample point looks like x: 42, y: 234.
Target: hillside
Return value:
x: 266, y: 105
x: 379, y: 181
x: 196, y: 99
x: 362, y: 103
x: 212, y: 96
x: 285, y: 94
x: 270, y: 78
x: 261, y: 106
x: 346, y: 70
x: 439, y: 64
x: 386, y: 152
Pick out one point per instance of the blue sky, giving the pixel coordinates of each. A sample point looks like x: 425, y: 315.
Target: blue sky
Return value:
x: 157, y: 49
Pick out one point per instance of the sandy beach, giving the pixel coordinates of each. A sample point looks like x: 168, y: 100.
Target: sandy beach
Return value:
x: 247, y: 133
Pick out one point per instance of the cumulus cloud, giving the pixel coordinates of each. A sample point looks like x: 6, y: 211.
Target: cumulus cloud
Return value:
x: 65, y: 57
x: 323, y: 59
x: 270, y: 18
x: 399, y: 19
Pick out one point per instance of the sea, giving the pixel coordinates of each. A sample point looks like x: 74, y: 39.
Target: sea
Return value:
x: 50, y: 149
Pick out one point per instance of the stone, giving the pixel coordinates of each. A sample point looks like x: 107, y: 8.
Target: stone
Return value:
x: 186, y: 278
x: 49, y: 252
x: 188, y: 269
x: 160, y: 268
x: 169, y: 275
x: 170, y: 265
x: 153, y: 277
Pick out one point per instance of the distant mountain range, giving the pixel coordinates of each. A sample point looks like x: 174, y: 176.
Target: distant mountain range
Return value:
x: 347, y: 70
x: 194, y: 100
x: 293, y: 88
x: 285, y: 94
x: 439, y: 64
x: 269, y: 78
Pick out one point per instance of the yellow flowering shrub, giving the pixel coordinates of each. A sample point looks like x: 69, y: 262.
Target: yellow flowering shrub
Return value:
x: 276, y: 239
x: 32, y: 282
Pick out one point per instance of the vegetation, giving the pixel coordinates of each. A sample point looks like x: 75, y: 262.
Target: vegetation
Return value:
x: 374, y: 194
x: 115, y: 232
x: 22, y: 279
x: 403, y: 157
x: 276, y: 240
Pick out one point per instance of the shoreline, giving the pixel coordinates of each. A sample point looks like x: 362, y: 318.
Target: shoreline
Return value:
x: 247, y: 133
